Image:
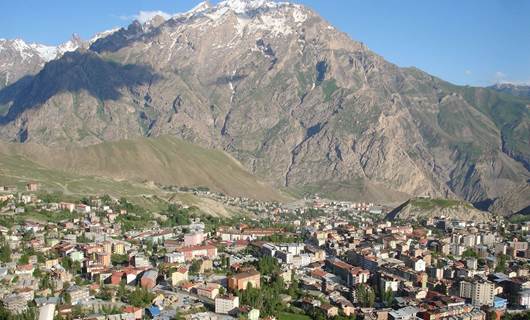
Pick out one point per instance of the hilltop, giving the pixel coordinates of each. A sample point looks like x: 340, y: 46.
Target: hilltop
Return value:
x: 424, y: 208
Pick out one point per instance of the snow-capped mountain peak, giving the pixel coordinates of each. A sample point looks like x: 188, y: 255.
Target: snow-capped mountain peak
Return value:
x: 242, y: 6
x: 102, y: 34
x: 205, y: 5
x: 26, y: 50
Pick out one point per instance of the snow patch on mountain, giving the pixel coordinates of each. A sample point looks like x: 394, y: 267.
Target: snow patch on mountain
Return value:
x: 101, y: 35
x: 46, y: 53
x: 201, y: 7
x: 244, y: 6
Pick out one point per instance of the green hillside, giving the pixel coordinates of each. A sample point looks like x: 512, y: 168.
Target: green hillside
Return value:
x: 125, y: 167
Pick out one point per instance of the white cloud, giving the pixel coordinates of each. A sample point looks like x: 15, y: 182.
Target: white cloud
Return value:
x: 144, y: 16
x: 500, y: 76
x: 468, y: 72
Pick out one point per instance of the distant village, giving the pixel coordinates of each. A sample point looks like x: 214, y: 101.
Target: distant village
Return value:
x: 100, y: 258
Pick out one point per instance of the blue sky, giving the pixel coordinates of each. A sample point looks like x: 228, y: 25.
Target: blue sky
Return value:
x: 475, y: 42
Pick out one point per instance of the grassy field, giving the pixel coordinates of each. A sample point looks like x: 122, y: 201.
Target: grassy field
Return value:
x: 124, y: 167
x: 292, y: 316
x: 440, y: 203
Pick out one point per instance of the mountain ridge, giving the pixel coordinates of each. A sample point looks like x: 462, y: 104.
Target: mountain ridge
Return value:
x: 296, y: 101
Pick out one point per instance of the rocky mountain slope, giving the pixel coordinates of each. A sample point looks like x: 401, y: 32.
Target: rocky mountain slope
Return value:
x: 295, y: 100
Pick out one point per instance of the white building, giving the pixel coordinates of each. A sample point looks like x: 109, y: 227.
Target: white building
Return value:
x: 419, y: 265
x: 481, y: 292
x: 46, y: 312
x: 226, y: 304
x: 387, y: 284
x: 176, y: 257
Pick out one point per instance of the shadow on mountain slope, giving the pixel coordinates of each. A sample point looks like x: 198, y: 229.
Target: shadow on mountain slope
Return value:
x: 74, y: 72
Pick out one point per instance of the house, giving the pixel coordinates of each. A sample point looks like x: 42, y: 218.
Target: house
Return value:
x: 116, y: 277
x: 118, y: 248
x: 194, y: 252
x: 240, y: 281
x: 148, y: 280
x: 78, y: 294
x: 407, y: 313
x: 67, y: 206
x: 140, y: 261
x: 349, y: 274
x: 15, y: 304
x: 82, y: 208
x: 47, y: 312
x: 205, y: 265
x: 194, y: 238
x: 175, y: 257
x: 226, y: 304
x: 136, y: 312
x: 329, y: 310
x: 32, y: 186
x: 131, y: 274
x: 210, y: 290
x: 179, y: 276
x: 25, y: 269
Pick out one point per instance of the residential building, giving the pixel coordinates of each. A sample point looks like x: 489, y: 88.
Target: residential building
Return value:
x: 179, y: 276
x: 78, y: 294
x: 480, y: 291
x: 226, y: 304
x: 148, y: 279
x: 240, y: 281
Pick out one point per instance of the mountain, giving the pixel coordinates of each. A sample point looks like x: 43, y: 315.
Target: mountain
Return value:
x: 19, y: 59
x: 296, y: 101
x: 513, y: 89
x: 165, y: 160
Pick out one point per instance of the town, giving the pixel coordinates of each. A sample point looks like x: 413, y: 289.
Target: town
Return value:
x: 108, y: 258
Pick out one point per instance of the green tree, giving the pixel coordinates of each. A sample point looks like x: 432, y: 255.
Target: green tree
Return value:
x: 365, y: 296
x: 195, y: 266
x: 119, y: 259
x: 140, y: 297
x: 470, y: 253
x: 104, y: 294
x: 5, y: 252
x: 501, y: 263
x: 85, y: 201
x: 24, y: 259
x: 388, y: 297
x: 67, y: 298
x: 106, y: 200
x: 267, y: 265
